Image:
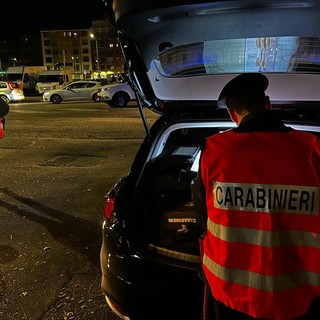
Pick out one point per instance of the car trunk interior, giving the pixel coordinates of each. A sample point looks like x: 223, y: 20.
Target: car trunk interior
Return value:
x: 163, y: 203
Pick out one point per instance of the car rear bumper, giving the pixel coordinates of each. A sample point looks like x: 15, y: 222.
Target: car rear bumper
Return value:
x: 169, y: 292
x: 17, y: 98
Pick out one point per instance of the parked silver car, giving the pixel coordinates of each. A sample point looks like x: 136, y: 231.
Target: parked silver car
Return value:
x: 11, y: 92
x: 85, y: 90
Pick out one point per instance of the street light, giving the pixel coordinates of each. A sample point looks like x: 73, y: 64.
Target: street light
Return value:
x: 97, y: 53
x: 74, y: 67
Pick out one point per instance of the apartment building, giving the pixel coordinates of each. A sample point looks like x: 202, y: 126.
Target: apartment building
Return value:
x: 88, y: 53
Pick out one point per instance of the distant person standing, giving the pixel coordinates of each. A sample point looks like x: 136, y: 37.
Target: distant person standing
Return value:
x: 4, y: 110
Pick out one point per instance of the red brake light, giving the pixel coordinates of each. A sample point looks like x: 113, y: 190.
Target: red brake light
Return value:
x: 10, y: 85
x: 108, y: 207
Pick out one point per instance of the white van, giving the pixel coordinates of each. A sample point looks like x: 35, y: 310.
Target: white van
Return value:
x: 25, y: 76
x: 53, y: 79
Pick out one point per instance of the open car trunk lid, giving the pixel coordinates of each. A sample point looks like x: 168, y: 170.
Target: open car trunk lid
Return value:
x: 180, y: 54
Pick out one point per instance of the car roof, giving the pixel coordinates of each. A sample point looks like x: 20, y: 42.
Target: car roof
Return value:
x: 181, y: 53
x: 85, y: 81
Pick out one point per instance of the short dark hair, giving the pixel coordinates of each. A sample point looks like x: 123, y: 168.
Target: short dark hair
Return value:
x: 247, y: 102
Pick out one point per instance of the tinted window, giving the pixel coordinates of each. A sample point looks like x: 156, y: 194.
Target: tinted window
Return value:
x: 13, y: 76
x: 49, y: 78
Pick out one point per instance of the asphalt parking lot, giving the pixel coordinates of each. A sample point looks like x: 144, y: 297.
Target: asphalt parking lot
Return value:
x: 57, y: 163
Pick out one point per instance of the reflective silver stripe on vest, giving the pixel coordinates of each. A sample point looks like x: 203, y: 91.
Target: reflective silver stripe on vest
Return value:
x: 259, y: 281
x: 266, y: 198
x: 264, y: 238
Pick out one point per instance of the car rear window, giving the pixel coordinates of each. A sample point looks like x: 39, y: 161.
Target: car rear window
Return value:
x: 267, y: 54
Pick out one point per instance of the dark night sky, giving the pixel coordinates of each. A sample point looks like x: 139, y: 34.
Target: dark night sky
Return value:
x: 29, y: 17
x: 25, y: 20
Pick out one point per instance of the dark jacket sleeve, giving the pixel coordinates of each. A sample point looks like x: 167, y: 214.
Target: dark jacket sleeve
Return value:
x: 198, y: 194
x: 199, y: 197
x: 4, y: 108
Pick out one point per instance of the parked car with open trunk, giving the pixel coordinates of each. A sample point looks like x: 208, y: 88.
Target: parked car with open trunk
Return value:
x: 180, y: 54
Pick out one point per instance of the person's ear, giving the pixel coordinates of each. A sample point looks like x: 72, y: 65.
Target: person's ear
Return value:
x: 233, y: 116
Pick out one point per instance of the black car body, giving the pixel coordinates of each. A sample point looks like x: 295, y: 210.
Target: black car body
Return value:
x: 179, y: 56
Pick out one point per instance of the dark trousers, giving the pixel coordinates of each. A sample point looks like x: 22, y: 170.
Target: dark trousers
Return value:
x: 215, y: 310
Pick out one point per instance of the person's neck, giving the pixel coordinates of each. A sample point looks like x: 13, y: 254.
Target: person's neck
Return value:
x: 241, y: 116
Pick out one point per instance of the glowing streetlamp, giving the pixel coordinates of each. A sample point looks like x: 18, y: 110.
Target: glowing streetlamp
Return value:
x: 97, y: 52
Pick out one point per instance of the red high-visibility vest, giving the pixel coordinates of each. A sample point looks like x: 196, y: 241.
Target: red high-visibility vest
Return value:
x: 261, y: 251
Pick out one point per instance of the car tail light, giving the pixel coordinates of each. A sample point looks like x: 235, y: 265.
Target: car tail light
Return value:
x: 10, y: 85
x: 108, y: 206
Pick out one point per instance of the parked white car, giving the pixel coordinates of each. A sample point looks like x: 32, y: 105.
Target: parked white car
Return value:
x: 116, y: 94
x: 10, y: 91
x: 85, y: 90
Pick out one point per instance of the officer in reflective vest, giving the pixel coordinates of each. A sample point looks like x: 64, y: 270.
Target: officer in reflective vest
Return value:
x: 258, y: 188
